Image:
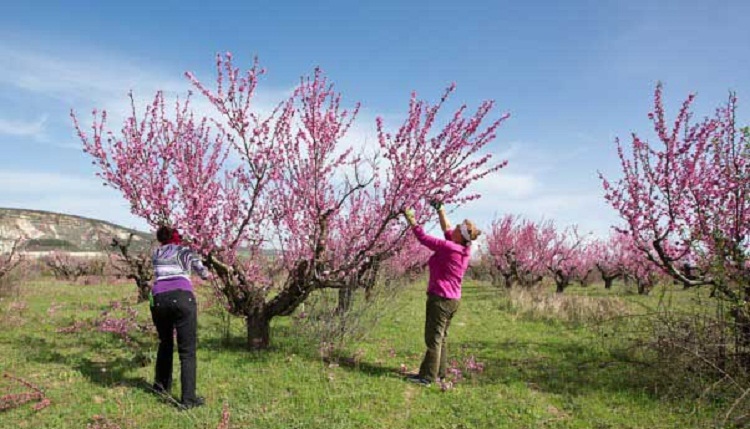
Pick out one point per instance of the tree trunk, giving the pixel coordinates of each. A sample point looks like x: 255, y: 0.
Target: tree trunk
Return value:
x: 258, y: 331
x: 742, y: 326
x: 495, y: 279
x: 508, y: 280
x: 561, y: 280
x: 643, y: 288
x: 345, y: 300
x: 144, y: 289
x: 608, y: 282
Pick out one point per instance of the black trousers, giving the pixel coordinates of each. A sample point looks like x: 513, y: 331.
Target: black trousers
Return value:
x: 176, y: 310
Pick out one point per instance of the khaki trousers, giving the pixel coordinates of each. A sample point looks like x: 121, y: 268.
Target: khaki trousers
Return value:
x: 440, y: 311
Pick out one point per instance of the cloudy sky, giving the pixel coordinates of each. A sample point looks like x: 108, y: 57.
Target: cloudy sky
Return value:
x: 574, y: 75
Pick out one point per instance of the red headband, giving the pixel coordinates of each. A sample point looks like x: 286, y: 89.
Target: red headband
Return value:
x: 176, y: 238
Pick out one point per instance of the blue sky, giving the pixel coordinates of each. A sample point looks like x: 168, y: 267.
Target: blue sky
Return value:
x: 573, y: 75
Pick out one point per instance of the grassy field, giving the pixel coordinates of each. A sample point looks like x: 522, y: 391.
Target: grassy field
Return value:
x: 539, y: 372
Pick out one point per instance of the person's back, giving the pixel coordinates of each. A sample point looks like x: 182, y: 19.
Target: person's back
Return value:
x: 173, y: 264
x: 447, y: 265
x: 174, y: 308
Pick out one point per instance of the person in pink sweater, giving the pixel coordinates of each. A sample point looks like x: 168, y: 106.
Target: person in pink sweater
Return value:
x: 447, y: 267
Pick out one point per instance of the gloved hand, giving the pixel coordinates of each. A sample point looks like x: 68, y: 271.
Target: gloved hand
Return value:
x: 409, y: 215
x: 437, y: 205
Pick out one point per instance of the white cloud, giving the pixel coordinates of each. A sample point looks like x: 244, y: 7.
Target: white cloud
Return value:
x: 537, y: 193
x: 85, y: 79
x: 585, y: 209
x: 65, y: 193
x: 503, y: 185
x: 76, y: 75
x: 35, y: 182
x: 34, y: 129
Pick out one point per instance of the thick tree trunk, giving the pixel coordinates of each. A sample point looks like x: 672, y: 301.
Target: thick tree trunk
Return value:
x: 608, y: 282
x: 259, y: 321
x: 144, y: 289
x: 561, y: 280
x: 643, y: 288
x: 258, y: 331
x: 508, y: 280
x: 584, y: 281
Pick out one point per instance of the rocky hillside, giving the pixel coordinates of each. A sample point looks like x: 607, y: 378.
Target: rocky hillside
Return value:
x: 54, y: 231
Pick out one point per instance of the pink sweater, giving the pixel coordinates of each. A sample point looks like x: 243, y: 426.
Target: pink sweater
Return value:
x: 447, y: 265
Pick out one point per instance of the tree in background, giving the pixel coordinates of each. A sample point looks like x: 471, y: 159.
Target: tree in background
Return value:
x: 521, y: 249
x: 686, y: 197
x: 567, y: 258
x: 586, y: 259
x: 10, y: 261
x: 635, y: 266
x: 609, y: 257
x: 12, y: 258
x: 132, y: 263
x: 502, y: 240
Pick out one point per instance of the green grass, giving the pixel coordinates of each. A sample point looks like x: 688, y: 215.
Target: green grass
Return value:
x: 539, y: 373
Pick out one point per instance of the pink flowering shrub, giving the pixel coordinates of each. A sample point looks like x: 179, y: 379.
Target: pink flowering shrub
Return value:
x: 457, y: 372
x: 33, y: 393
x: 119, y: 319
x: 225, y: 415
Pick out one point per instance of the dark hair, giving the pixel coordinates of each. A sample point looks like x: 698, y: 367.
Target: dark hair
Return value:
x: 164, y: 234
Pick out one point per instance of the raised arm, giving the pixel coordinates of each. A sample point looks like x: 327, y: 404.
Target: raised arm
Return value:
x: 445, y: 224
x: 432, y: 243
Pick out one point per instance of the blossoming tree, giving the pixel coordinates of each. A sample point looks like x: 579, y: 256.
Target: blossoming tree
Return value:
x: 686, y: 197
x: 609, y: 257
x: 276, y: 203
x: 521, y: 249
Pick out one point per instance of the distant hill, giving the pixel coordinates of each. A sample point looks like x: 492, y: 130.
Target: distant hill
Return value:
x: 47, y: 231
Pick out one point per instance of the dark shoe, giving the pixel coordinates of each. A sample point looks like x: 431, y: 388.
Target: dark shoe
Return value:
x: 418, y: 380
x: 197, y: 402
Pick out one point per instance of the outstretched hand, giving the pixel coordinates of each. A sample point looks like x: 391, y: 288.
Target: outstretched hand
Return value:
x: 409, y: 215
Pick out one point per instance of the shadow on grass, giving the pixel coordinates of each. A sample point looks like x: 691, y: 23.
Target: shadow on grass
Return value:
x: 570, y: 369
x: 283, y: 342
x: 103, y: 366
x: 567, y: 369
x: 362, y: 367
